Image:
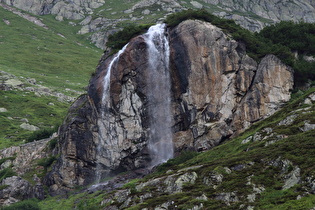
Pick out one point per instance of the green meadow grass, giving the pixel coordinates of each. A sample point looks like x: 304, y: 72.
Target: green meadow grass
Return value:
x: 26, y: 105
x: 31, y: 51
x: 61, y: 63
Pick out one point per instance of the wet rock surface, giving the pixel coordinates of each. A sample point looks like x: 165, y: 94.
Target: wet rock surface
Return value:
x: 217, y: 92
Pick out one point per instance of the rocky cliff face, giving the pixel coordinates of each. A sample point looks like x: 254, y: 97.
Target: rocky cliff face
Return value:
x: 73, y: 10
x: 268, y: 11
x: 217, y: 92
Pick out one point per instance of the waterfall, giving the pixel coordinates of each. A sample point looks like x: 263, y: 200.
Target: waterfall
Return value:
x: 160, y: 141
x: 106, y: 84
x: 158, y: 96
x: 104, y: 123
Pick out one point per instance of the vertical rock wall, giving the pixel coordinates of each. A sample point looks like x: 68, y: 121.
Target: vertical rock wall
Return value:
x: 217, y: 92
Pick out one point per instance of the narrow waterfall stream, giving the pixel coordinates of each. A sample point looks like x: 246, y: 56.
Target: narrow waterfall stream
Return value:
x: 104, y: 124
x: 160, y: 141
x: 158, y: 93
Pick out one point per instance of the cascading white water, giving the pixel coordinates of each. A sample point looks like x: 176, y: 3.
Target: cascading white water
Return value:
x: 104, y: 123
x: 106, y: 83
x: 160, y: 141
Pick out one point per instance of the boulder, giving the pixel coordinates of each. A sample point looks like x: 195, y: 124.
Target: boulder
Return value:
x: 18, y: 189
x: 29, y: 127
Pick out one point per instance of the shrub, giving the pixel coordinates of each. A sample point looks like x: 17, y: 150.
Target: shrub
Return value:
x: 52, y: 143
x: 256, y: 46
x: 5, y: 159
x: 42, y: 134
x: 297, y: 36
x: 304, y: 71
x: 131, y: 185
x: 176, y: 18
x: 23, y: 205
x: 183, y: 157
x: 7, y: 172
x: 119, y: 39
x: 46, y: 162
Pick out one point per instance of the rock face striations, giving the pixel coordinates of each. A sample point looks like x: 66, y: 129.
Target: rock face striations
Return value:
x: 217, y: 91
x: 268, y: 11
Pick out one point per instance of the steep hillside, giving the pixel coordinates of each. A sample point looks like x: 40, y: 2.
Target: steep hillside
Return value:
x: 147, y: 94
x: 269, y: 166
x: 42, y: 70
x: 192, y: 84
x: 97, y: 18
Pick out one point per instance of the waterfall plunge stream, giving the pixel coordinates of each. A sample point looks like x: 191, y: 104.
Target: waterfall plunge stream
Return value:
x: 160, y: 142
x: 104, y: 134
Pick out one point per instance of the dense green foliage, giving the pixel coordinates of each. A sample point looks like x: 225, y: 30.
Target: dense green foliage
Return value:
x: 256, y: 46
x: 7, y: 172
x: 121, y: 38
x: 42, y: 134
x: 31, y: 204
x: 304, y: 71
x: 299, y: 38
x: 46, y: 162
x: 183, y: 157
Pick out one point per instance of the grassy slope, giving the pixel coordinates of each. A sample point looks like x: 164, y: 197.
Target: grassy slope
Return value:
x: 298, y: 147
x: 29, y: 51
x: 22, y: 105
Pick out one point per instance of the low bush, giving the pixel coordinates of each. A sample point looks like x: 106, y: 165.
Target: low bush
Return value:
x: 118, y: 40
x: 131, y: 185
x: 52, y: 143
x: 5, y: 159
x: 183, y: 157
x: 2, y: 187
x: 5, y: 173
x: 42, y: 134
x: 46, y: 162
x: 23, y: 205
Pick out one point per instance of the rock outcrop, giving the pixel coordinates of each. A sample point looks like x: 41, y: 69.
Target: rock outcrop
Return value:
x: 74, y: 10
x: 17, y: 163
x: 267, y: 11
x: 217, y: 92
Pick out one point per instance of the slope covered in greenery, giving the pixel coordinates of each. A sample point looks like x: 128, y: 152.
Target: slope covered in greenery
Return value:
x: 258, y: 162
x: 55, y: 60
x: 269, y: 166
